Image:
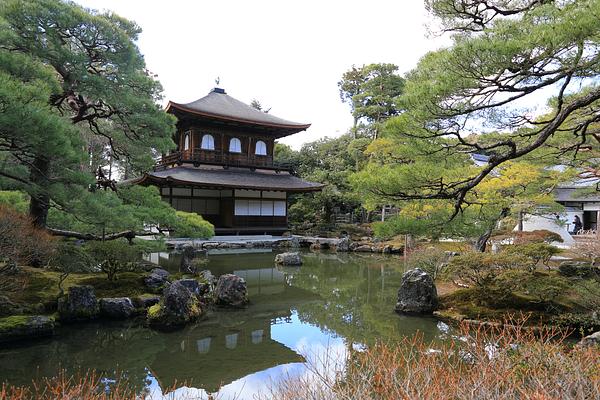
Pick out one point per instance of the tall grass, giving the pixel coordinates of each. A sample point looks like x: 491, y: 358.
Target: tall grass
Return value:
x: 508, y: 362
x: 82, y: 386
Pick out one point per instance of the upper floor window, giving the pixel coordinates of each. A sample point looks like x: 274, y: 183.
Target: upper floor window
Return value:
x: 235, y: 146
x: 208, y: 142
x: 261, y: 148
x: 186, y: 141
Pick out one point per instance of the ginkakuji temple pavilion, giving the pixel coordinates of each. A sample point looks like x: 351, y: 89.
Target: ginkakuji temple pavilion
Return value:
x: 223, y: 167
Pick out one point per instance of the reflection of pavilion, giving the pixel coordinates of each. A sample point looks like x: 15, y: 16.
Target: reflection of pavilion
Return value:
x: 231, y: 344
x: 263, y: 281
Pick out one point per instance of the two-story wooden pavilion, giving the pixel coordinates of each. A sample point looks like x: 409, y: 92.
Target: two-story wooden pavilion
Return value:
x: 223, y: 166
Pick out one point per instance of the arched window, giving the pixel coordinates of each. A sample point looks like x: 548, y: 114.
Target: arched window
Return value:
x: 235, y: 146
x: 186, y: 141
x: 261, y: 148
x: 208, y: 142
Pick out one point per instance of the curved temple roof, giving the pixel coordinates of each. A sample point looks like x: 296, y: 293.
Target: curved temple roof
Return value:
x: 218, y: 104
x: 239, y: 178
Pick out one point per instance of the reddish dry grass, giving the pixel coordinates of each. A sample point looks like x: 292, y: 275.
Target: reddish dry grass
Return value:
x: 482, y: 363
x: 85, y: 386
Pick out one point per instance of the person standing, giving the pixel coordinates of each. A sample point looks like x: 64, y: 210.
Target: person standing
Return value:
x: 577, y: 225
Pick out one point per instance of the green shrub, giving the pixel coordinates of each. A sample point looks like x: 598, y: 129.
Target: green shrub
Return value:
x: 538, y: 236
x: 113, y: 256
x: 537, y: 252
x: 483, y: 269
x: 15, y: 199
x: 70, y: 258
x: 544, y: 288
x: 585, y: 324
x: 432, y: 260
x: 192, y: 225
x: 493, y: 276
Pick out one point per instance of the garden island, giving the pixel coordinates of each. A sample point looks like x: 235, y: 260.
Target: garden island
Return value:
x: 446, y: 245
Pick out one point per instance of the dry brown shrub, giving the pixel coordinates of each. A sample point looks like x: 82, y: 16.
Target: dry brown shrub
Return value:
x: 506, y: 362
x: 22, y: 243
x: 83, y: 386
x: 89, y: 385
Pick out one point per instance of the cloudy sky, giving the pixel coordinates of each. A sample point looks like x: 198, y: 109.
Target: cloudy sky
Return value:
x: 287, y: 54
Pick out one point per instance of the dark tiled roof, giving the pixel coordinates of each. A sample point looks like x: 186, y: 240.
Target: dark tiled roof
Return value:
x: 218, y: 104
x: 241, y: 178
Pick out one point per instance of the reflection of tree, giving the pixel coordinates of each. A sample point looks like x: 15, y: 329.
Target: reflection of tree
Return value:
x: 358, y: 294
x: 109, y: 348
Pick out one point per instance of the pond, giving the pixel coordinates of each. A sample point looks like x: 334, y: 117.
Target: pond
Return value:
x: 333, y: 303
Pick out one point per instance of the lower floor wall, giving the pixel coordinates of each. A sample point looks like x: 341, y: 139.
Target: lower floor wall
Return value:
x: 231, y: 209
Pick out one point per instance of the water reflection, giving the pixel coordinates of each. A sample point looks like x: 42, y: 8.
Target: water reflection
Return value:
x: 333, y: 304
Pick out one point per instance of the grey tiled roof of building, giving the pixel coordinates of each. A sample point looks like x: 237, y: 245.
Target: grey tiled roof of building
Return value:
x: 232, y: 177
x: 219, y: 104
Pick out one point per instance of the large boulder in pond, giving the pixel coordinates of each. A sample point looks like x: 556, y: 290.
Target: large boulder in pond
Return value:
x: 288, y: 259
x: 157, y: 279
x: 417, y: 294
x: 19, y: 327
x: 116, y: 307
x: 177, y: 307
x: 79, y: 304
x: 231, y: 291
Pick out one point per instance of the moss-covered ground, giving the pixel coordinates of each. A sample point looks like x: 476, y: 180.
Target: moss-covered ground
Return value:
x: 7, y: 324
x: 566, y: 310
x: 41, y: 291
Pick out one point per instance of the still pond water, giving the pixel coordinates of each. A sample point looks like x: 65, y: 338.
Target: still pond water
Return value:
x: 333, y: 303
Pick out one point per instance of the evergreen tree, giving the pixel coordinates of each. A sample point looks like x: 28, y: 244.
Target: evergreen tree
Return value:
x: 506, y: 57
x: 77, y: 100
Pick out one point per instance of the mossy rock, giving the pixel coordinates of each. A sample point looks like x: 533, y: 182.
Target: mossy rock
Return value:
x: 79, y: 305
x: 145, y: 301
x: 20, y: 327
x: 177, y: 308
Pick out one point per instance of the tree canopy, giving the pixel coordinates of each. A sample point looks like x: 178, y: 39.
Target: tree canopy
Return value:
x: 372, y: 92
x: 506, y: 58
x: 79, y: 108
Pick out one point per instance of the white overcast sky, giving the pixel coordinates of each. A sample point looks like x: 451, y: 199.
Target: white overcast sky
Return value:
x: 287, y: 54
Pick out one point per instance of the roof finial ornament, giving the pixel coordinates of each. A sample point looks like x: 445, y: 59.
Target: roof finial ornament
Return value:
x: 217, y: 81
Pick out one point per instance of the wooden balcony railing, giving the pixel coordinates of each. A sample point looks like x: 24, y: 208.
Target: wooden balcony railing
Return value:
x: 197, y: 157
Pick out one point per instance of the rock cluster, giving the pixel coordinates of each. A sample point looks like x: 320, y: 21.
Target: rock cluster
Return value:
x: 145, y: 301
x: 417, y: 294
x: 283, y: 243
x: 197, y: 288
x: 79, y: 304
x: 369, y: 246
x: 288, y: 259
x: 231, y: 291
x: 157, y: 279
x: 177, y: 307
x: 116, y: 308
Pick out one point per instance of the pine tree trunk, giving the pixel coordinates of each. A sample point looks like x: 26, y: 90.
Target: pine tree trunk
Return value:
x: 40, y: 202
x: 481, y: 243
